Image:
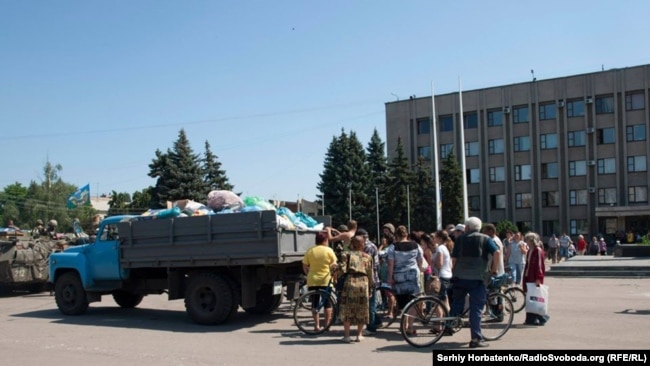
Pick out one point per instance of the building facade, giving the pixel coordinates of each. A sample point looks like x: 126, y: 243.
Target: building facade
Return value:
x: 560, y: 155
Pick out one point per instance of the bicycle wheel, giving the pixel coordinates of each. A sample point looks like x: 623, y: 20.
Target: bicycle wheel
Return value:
x: 422, y: 322
x: 518, y: 298
x: 497, y: 316
x: 304, y: 314
x: 386, y: 307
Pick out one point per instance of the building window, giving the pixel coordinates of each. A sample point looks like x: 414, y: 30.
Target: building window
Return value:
x: 497, y: 174
x: 636, y: 164
x: 550, y: 199
x: 578, y: 197
x: 474, y: 203
x: 577, y: 227
x: 549, y: 170
x: 635, y: 133
x: 446, y: 123
x: 575, y: 108
x: 607, y: 166
x: 522, y: 143
x: 606, y: 135
x: 607, y: 196
x: 495, y: 146
x: 498, y: 201
x: 473, y: 176
x: 424, y: 126
x: 470, y: 120
x: 445, y: 150
x: 637, y: 194
x: 577, y: 168
x: 424, y: 152
x: 550, y: 227
x: 548, y: 141
x: 520, y: 114
x: 604, y: 105
x: 577, y: 138
x: 495, y: 118
x: 522, y: 172
x: 634, y: 101
x: 523, y: 200
x: 547, y: 111
x: 471, y: 148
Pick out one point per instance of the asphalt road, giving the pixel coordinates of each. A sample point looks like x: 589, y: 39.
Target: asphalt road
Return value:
x: 598, y: 313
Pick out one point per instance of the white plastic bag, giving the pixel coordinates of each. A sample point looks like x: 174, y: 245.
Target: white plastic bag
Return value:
x: 536, y: 299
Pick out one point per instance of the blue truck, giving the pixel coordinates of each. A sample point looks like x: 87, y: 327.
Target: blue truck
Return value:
x: 216, y: 263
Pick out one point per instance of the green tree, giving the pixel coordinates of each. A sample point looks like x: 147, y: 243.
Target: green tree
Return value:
x: 11, y: 200
x: 451, y: 181
x: 213, y: 176
x: 178, y: 174
x: 503, y: 226
x: 400, y: 181
x: 378, y: 166
x: 345, y: 181
x: 423, y: 199
x: 119, y: 204
x: 140, y: 201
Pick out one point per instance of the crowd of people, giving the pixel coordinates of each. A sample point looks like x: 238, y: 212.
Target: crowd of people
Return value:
x: 453, y: 264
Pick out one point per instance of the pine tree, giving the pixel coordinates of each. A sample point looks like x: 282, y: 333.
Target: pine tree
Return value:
x: 361, y: 184
x: 400, y: 181
x: 423, y: 199
x: 334, y: 181
x: 451, y: 181
x: 179, y: 174
x: 378, y: 166
x: 213, y: 177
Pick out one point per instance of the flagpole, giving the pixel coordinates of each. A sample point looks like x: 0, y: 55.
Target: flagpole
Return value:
x: 462, y: 148
x: 436, y: 170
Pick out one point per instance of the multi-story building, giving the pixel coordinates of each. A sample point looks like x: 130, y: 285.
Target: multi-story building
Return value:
x: 566, y: 154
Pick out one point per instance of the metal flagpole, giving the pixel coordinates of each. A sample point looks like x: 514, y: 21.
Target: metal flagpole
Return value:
x: 436, y: 169
x: 408, y: 208
x: 377, y: 204
x: 462, y: 146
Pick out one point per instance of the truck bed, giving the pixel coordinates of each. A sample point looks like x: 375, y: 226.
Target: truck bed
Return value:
x: 211, y: 240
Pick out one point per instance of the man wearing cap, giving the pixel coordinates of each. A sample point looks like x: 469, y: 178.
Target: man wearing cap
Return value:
x: 469, y: 262
x: 458, y: 231
x: 371, y: 249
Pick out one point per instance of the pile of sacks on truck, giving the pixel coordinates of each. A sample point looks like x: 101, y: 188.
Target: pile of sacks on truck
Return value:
x: 227, y: 202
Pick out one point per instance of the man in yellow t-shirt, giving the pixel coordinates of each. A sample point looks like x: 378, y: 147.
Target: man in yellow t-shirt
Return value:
x: 317, y: 265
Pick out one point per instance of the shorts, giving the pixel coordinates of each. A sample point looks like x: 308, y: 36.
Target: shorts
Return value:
x: 445, y: 286
x: 315, y: 299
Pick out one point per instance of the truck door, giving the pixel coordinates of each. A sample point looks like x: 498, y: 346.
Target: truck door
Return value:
x: 104, y: 254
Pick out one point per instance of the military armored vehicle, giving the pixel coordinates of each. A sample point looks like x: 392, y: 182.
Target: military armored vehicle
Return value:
x: 24, y: 262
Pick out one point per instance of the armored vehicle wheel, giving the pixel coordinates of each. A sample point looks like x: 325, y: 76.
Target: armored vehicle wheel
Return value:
x: 266, y: 301
x: 70, y: 295
x: 127, y: 299
x: 208, y: 298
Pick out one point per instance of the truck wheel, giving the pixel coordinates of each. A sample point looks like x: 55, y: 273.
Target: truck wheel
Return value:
x: 267, y: 303
x: 70, y: 295
x: 208, y: 299
x: 127, y: 299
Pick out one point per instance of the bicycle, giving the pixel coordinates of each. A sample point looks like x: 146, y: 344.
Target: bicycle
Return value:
x: 515, y: 293
x: 429, y: 319
x: 386, y: 305
x: 305, y: 314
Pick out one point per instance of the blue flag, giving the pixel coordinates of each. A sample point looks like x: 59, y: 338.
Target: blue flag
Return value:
x: 80, y: 198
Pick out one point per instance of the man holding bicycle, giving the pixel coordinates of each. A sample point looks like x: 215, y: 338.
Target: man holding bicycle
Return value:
x: 469, y: 262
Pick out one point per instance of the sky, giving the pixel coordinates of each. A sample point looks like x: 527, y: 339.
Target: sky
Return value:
x: 99, y: 86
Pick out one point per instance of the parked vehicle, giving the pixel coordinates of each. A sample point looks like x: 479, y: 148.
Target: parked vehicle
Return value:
x: 216, y: 263
x: 23, y: 262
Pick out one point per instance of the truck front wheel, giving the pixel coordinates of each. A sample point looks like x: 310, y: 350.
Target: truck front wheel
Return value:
x: 127, y: 299
x: 70, y: 295
x: 208, y: 298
